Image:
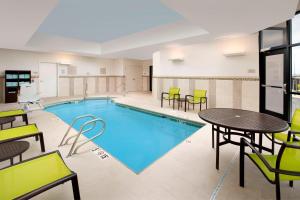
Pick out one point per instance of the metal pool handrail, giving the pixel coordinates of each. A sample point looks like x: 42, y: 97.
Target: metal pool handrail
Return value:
x: 82, y: 131
x: 73, y: 123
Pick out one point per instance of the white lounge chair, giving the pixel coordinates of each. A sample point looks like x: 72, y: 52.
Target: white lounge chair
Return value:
x: 28, y: 95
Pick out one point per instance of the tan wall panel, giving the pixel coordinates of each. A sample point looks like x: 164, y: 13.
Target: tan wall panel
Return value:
x: 184, y: 85
x: 145, y: 83
x: 112, y: 84
x: 102, y: 85
x: 224, y: 93
x: 91, y: 85
x: 120, y: 84
x: 78, y: 86
x: 250, y: 95
x: 64, y: 87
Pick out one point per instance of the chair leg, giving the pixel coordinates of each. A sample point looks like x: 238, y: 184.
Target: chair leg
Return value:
x: 277, y: 186
x: 218, y: 148
x: 193, y: 106
x: 291, y: 183
x: 169, y: 102
x: 242, y: 164
x: 75, y: 186
x: 25, y: 118
x: 273, y: 144
x: 42, y: 142
x: 206, y: 105
x: 213, y: 137
x: 188, y: 105
x: 200, y: 107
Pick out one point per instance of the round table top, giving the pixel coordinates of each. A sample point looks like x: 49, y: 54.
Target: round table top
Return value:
x: 11, y: 149
x: 5, y: 120
x: 244, y: 120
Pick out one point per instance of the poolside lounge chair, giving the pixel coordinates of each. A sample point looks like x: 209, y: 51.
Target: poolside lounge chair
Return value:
x: 36, y: 175
x: 173, y: 94
x: 15, y: 113
x: 199, y: 97
x: 22, y: 132
x: 276, y: 168
x: 28, y: 95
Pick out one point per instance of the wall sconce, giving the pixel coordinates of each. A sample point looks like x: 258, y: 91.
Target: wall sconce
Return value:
x: 234, y: 47
x: 176, y: 56
x: 178, y: 59
x: 234, y: 53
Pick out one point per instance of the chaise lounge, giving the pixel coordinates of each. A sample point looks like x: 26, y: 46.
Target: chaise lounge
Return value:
x: 15, y: 113
x: 22, y: 132
x: 36, y: 175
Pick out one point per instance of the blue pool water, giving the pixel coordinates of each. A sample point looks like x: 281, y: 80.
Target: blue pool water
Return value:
x: 134, y: 137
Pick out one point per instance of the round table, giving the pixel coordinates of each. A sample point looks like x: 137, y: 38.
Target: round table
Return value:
x: 242, y: 123
x: 10, y: 150
x: 6, y: 120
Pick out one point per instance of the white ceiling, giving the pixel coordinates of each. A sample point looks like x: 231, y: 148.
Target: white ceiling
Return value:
x: 131, y: 28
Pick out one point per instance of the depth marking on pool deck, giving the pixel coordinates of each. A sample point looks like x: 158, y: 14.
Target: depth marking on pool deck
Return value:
x: 222, y: 179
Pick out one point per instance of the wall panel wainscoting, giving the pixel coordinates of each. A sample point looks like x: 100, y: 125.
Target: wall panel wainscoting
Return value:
x: 95, y: 85
x: 226, y: 92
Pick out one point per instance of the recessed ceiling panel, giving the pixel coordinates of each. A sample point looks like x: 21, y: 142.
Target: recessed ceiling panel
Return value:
x: 104, y: 20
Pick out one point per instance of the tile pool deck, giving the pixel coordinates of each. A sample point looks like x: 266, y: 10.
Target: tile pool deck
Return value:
x: 186, y: 172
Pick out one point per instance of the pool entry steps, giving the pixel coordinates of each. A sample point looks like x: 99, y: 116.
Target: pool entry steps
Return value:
x: 89, y: 123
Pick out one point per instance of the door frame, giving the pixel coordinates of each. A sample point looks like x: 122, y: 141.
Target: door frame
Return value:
x: 150, y: 77
x: 287, y: 81
x: 57, y: 81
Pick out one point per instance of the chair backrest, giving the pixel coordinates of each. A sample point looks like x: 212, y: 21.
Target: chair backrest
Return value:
x: 290, y: 159
x: 198, y: 94
x: 295, y: 123
x: 28, y: 92
x: 173, y: 91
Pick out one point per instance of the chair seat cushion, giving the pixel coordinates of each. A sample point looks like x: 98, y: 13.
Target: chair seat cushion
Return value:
x: 196, y: 101
x: 12, y: 113
x: 281, y: 136
x: 28, y: 176
x: 20, y: 131
x: 271, y: 159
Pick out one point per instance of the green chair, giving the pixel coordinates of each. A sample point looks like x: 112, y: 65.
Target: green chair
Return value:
x: 36, y: 175
x: 298, y: 87
x: 294, y: 130
x: 172, y: 95
x: 22, y: 132
x: 15, y: 113
x: 276, y: 168
x: 199, y: 97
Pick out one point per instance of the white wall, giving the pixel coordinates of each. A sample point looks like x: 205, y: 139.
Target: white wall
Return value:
x: 76, y: 65
x: 25, y: 60
x: 207, y: 59
x: 230, y: 81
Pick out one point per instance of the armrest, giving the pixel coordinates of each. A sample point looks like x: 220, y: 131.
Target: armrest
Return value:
x: 244, y: 143
x: 203, y: 98
x: 176, y: 95
x: 292, y: 133
x: 163, y: 93
x: 187, y: 96
x: 294, y: 145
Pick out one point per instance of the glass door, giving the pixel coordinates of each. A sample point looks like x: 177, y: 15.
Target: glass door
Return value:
x: 274, y: 83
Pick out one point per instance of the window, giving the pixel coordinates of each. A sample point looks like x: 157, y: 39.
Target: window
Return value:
x: 296, y: 29
x: 274, y: 36
x: 295, y: 69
